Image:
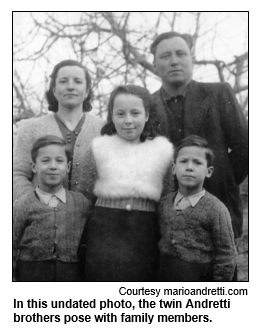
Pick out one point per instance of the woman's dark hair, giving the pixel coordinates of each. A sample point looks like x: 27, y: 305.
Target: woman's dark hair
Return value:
x: 152, y: 126
x: 52, y: 101
x: 47, y: 141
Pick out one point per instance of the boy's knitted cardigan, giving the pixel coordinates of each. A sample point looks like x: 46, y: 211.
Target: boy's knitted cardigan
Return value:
x: 199, y: 234
x: 41, y: 232
x: 24, y: 181
x: 116, y: 169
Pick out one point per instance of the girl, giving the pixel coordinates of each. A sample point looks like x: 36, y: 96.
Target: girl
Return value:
x: 126, y: 169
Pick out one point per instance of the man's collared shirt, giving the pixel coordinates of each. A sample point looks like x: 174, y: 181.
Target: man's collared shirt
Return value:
x: 182, y: 202
x: 51, y: 199
x: 167, y: 96
x: 175, y: 107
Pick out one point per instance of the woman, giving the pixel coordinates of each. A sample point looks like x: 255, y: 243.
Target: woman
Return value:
x: 69, y: 97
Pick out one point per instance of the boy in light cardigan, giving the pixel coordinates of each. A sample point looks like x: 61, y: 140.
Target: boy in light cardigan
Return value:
x: 197, y: 241
x: 49, y: 221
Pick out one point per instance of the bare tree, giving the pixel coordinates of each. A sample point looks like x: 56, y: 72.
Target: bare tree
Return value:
x: 115, y: 48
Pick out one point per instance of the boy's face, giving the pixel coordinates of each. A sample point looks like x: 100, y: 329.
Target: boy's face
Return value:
x: 191, y: 169
x: 51, y: 168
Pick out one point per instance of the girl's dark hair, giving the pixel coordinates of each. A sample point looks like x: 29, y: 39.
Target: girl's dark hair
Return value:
x: 52, y: 101
x: 152, y: 126
x: 47, y: 141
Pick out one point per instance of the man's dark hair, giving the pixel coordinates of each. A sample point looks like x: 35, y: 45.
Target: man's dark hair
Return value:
x: 52, y: 101
x: 188, y: 38
x: 48, y: 140
x: 195, y: 140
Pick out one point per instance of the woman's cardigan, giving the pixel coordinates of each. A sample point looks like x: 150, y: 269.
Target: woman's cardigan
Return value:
x: 24, y: 181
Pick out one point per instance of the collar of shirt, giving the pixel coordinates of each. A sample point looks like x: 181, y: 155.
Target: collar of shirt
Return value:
x: 193, y: 199
x: 46, y: 197
x: 167, y: 96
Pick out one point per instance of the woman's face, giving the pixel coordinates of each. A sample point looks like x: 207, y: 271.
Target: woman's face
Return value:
x: 70, y: 87
x: 129, y: 117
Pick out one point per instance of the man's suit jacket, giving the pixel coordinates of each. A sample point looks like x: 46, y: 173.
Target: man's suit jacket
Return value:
x: 212, y: 112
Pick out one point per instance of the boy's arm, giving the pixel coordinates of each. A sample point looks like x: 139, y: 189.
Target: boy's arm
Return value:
x: 19, y: 224
x: 224, y: 246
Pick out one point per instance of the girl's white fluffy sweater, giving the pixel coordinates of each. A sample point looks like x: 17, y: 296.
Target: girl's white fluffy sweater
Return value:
x: 131, y: 170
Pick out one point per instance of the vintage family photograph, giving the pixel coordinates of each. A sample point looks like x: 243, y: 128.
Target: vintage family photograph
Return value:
x: 130, y: 147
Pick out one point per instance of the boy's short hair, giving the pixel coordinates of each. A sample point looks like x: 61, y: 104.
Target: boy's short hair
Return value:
x: 48, y: 140
x: 195, y: 140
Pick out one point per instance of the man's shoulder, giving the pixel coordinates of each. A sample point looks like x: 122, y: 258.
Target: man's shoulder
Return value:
x: 200, y: 88
x: 209, y: 86
x: 156, y: 94
x: 158, y: 101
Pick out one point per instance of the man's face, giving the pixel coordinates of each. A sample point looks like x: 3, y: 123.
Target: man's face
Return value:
x: 173, y: 61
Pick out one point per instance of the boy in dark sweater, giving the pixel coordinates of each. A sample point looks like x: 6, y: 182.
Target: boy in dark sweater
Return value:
x: 48, y: 222
x: 197, y: 241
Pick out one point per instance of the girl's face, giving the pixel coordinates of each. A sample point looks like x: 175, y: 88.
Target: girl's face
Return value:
x: 70, y: 87
x: 129, y: 117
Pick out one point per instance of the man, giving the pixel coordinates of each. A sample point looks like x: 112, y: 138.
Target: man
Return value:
x: 209, y: 110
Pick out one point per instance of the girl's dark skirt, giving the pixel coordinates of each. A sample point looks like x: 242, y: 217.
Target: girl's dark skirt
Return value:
x: 121, y: 245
